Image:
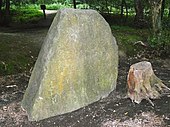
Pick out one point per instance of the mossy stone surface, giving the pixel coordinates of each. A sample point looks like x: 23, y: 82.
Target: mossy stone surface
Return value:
x: 77, y: 65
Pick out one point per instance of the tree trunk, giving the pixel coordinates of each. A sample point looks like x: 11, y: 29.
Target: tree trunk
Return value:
x: 139, y: 11
x: 0, y: 7
x: 74, y: 4
x: 126, y: 8
x: 7, y: 13
x: 0, y: 4
x: 123, y: 4
x: 155, y: 6
x: 106, y: 2
x: 7, y: 9
x: 33, y: 1
x: 0, y: 12
x: 162, y: 10
x: 143, y: 83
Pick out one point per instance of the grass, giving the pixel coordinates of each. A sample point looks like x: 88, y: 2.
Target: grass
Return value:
x: 30, y: 13
x: 17, y: 53
x: 25, y: 15
x: 127, y: 37
x: 57, y: 6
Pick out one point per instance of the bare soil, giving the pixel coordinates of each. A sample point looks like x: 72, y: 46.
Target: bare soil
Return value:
x: 113, y: 111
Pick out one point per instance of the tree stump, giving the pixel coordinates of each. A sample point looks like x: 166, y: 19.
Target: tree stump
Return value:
x: 143, y: 83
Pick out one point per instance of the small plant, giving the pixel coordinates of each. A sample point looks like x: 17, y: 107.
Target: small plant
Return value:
x: 127, y: 36
x: 160, y: 45
x: 159, y: 41
x: 153, y: 41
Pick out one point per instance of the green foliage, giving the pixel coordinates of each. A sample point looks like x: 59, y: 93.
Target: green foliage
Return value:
x: 56, y: 6
x: 19, y: 2
x: 82, y: 6
x: 153, y: 41
x: 25, y: 15
x: 53, y: 1
x: 26, y: 6
x: 31, y: 6
x: 108, y: 5
x: 163, y: 40
x: 166, y: 12
x: 44, y: 1
x: 127, y: 37
x: 160, y: 42
x: 166, y: 23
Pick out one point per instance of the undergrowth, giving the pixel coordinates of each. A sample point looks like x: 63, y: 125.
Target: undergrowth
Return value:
x: 25, y: 15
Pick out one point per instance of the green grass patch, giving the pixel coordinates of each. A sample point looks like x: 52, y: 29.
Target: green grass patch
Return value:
x: 25, y: 15
x: 17, y: 53
x: 82, y: 6
x: 127, y: 37
x: 56, y: 6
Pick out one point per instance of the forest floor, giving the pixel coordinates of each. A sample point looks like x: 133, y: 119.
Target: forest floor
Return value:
x: 113, y: 111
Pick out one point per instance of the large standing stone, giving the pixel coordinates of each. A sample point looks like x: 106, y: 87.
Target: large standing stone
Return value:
x: 77, y: 65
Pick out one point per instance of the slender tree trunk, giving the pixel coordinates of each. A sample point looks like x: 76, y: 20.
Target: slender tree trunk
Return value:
x: 7, y: 12
x: 126, y: 7
x: 106, y: 1
x: 33, y: 1
x: 7, y: 7
x: 0, y: 4
x: 162, y: 10
x: 74, y: 4
x: 0, y: 7
x: 156, y: 6
x: 139, y: 11
x: 0, y: 11
x: 123, y: 4
x: 169, y: 12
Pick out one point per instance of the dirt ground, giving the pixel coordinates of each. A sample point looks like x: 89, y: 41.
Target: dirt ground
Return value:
x: 113, y: 111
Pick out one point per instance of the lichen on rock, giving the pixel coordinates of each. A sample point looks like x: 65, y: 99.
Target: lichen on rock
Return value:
x: 77, y: 65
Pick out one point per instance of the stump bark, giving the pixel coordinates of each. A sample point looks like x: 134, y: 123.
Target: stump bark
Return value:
x: 143, y: 83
